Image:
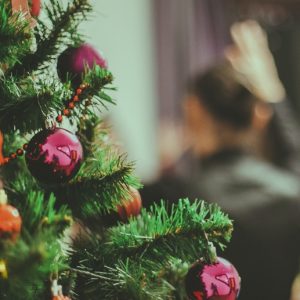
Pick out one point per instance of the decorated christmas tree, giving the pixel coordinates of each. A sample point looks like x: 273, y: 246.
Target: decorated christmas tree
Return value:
x: 71, y: 223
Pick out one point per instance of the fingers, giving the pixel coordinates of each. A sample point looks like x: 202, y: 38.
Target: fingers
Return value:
x: 234, y: 56
x: 249, y: 37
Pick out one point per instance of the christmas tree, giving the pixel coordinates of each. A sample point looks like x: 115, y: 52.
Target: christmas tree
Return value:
x: 71, y: 224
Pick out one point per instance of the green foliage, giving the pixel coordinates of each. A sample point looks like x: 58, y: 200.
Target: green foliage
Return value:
x: 148, y: 258
x: 39, y: 213
x: 60, y: 29
x: 28, y: 104
x: 156, y: 230
x: 15, y: 36
x: 101, y: 184
x: 29, y: 263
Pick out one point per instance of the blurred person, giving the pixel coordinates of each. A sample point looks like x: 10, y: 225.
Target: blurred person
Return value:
x: 228, y: 111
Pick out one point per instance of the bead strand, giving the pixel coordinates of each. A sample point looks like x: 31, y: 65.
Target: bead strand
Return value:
x: 66, y: 112
x: 14, y: 155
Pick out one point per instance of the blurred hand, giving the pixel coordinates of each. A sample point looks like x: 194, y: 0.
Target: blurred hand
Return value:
x: 295, y: 293
x: 252, y: 59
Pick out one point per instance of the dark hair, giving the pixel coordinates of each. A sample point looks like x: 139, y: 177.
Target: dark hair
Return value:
x: 220, y: 91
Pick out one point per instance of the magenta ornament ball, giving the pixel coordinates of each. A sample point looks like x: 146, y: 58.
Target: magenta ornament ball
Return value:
x: 217, y: 281
x: 54, y: 156
x: 74, y: 60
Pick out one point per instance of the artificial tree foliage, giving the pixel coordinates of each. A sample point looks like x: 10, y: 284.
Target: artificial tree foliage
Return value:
x: 145, y: 258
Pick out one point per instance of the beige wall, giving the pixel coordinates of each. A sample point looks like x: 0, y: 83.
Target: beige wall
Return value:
x: 122, y: 30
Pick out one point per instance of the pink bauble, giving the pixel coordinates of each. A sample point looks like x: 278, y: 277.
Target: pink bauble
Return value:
x: 218, y: 281
x: 54, y: 156
x: 74, y: 61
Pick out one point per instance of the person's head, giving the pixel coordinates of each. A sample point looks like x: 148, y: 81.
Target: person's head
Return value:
x: 220, y: 112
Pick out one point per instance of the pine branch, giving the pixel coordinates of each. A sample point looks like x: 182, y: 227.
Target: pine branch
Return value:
x: 39, y: 212
x: 28, y: 104
x: 64, y: 23
x: 97, y: 80
x: 102, y: 183
x: 196, y: 223
x: 149, y: 257
x: 126, y: 280
x: 29, y: 264
x: 15, y: 36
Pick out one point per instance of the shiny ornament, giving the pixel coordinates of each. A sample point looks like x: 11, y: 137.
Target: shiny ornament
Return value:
x: 130, y: 207
x: 54, y: 156
x: 217, y: 281
x: 73, y: 62
x: 10, y: 219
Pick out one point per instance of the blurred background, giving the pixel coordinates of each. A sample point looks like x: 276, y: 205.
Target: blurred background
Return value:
x: 153, y: 46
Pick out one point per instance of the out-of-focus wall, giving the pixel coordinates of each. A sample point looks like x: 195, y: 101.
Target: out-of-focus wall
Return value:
x: 123, y: 31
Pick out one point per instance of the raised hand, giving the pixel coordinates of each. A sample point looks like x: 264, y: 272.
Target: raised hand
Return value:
x: 251, y: 57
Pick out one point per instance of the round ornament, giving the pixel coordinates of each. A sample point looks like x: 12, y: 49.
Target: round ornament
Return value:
x: 74, y: 61
x: 130, y: 207
x: 10, y: 219
x: 217, y: 281
x: 54, y: 156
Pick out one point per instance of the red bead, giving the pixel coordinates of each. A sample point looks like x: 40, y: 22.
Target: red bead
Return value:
x: 59, y: 118
x: 66, y: 112
x: 76, y: 98
x: 13, y: 156
x: 20, y: 152
x: 78, y: 91
x: 25, y: 146
x: 71, y: 105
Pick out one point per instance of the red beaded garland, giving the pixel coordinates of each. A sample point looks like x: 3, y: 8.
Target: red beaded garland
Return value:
x: 20, y: 152
x: 71, y: 105
x: 66, y: 112
x: 13, y: 156
x: 59, y: 118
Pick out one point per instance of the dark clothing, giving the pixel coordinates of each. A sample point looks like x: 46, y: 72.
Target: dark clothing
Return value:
x: 264, y: 203
x: 284, y: 132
